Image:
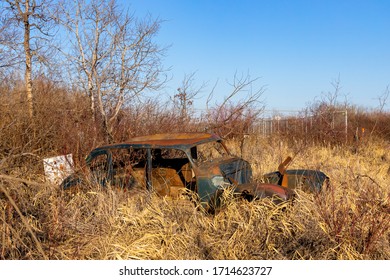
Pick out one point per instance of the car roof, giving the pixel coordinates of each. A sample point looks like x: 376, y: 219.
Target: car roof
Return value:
x: 163, y: 140
x: 174, y: 139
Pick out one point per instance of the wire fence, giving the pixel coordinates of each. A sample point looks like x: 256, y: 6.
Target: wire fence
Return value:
x: 326, y: 124
x: 336, y: 121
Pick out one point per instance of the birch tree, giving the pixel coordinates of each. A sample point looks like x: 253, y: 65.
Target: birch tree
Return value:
x: 25, y: 27
x: 113, y: 54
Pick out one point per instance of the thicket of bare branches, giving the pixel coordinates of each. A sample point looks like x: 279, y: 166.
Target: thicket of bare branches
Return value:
x: 331, y: 120
x: 112, y: 54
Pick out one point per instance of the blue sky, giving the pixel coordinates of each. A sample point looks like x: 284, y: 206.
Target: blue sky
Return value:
x: 297, y: 48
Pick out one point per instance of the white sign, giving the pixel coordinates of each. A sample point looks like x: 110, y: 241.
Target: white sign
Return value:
x: 57, y: 168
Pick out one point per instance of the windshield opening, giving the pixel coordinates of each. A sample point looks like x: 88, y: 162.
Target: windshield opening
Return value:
x: 211, y: 151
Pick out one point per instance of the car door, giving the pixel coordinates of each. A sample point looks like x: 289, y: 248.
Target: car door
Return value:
x: 100, y: 168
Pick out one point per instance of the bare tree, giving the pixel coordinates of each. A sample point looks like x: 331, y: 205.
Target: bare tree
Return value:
x: 332, y: 98
x: 30, y: 20
x: 236, y: 112
x: 184, y: 98
x: 9, y: 56
x: 382, y: 99
x: 113, y: 54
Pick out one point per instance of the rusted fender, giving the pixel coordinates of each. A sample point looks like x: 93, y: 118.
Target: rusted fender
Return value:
x: 262, y: 190
x: 311, y: 180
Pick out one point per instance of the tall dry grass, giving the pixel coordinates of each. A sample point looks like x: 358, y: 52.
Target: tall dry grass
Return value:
x: 349, y: 220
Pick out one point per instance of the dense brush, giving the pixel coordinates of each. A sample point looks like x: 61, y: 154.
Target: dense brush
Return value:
x: 348, y: 220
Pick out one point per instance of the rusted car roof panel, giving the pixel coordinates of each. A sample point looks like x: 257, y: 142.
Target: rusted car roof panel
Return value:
x: 163, y: 138
x: 169, y: 140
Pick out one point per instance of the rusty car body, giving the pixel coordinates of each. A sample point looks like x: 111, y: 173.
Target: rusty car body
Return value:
x: 173, y: 163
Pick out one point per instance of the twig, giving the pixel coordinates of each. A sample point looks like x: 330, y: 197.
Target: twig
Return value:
x: 39, y: 247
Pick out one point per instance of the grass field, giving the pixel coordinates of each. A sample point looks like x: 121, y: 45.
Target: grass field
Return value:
x: 348, y: 220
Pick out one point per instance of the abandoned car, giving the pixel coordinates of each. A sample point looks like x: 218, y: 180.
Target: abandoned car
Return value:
x: 171, y: 164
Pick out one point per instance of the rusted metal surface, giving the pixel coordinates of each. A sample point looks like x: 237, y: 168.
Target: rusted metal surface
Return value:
x: 169, y: 140
x: 312, y: 180
x: 172, y: 164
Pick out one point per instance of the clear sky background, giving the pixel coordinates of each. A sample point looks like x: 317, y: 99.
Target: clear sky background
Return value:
x: 297, y: 47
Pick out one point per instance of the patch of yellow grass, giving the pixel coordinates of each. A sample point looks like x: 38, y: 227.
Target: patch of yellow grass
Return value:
x: 349, y: 220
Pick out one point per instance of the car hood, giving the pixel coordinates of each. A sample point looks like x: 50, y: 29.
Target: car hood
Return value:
x: 234, y: 169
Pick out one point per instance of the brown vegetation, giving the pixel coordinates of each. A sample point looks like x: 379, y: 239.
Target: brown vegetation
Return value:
x: 349, y: 220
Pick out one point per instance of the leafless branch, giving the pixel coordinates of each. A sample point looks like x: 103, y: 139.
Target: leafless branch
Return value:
x: 114, y: 55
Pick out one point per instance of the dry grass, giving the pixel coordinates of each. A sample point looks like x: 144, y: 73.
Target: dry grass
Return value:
x: 350, y: 220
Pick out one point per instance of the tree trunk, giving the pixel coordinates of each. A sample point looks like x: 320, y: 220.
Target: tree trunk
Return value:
x: 91, y: 100
x: 28, y: 54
